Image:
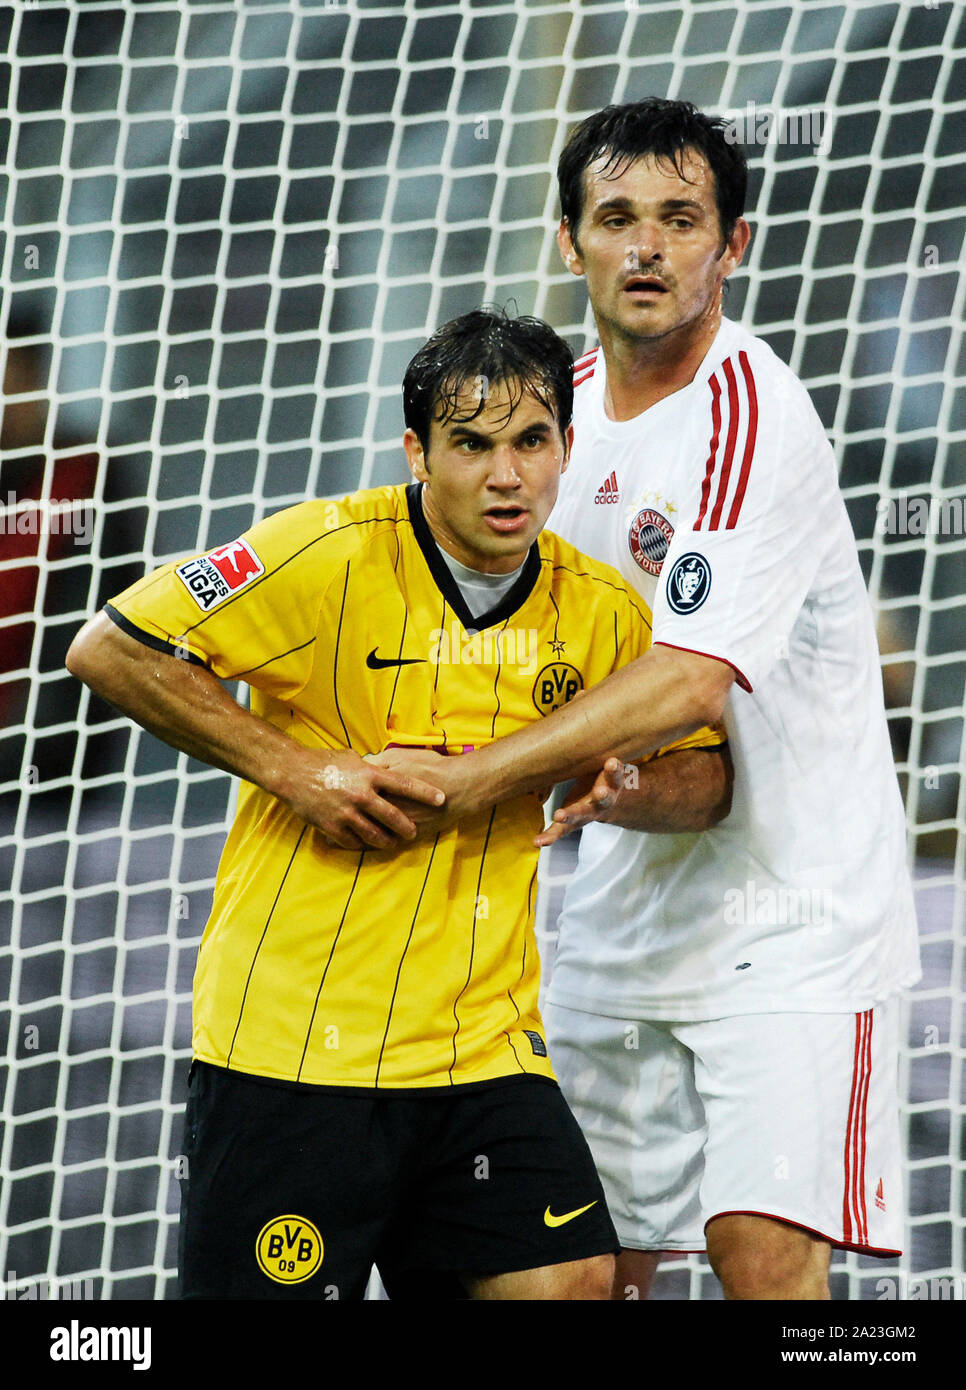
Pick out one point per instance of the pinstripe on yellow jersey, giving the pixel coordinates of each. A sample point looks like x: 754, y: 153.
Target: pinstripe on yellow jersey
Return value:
x: 415, y: 967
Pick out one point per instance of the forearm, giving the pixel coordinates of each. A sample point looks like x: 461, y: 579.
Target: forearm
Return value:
x: 654, y: 701
x: 182, y: 704
x: 186, y: 706
x: 685, y: 791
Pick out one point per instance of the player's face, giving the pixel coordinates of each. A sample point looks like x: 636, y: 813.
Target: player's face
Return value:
x: 651, y: 248
x: 490, y: 482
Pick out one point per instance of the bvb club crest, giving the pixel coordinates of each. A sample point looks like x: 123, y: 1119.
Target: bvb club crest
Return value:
x: 555, y: 685
x: 289, y: 1249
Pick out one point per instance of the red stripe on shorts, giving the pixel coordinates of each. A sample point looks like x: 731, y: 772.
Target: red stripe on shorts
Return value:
x: 855, y: 1221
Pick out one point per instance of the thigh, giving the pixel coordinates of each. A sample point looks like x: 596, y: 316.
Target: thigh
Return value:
x: 575, y: 1280
x: 631, y: 1087
x: 286, y: 1193
x: 506, y: 1184
x: 803, y: 1122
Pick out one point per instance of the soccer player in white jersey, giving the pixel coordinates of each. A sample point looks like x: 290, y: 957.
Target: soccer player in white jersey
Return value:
x: 723, y: 1004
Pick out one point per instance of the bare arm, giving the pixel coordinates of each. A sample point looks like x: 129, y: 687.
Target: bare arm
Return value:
x: 187, y: 707
x: 657, y: 700
x: 689, y: 790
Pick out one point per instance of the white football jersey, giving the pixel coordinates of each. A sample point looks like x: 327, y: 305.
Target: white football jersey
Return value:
x: 721, y: 505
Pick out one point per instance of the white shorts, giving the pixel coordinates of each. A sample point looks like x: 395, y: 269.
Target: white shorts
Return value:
x: 790, y: 1116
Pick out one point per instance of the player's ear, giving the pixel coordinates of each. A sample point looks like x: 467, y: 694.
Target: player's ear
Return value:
x: 568, y: 250
x: 416, y: 457
x: 568, y: 445
x: 737, y: 245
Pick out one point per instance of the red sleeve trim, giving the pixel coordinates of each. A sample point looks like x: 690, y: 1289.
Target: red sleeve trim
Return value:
x: 740, y: 676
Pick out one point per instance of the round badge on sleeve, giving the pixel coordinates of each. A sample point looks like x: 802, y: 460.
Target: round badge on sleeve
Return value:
x: 689, y: 583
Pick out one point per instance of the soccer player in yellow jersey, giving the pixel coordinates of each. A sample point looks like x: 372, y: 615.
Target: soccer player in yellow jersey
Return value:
x: 371, y: 1082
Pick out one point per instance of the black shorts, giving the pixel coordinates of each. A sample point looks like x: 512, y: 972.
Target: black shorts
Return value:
x: 297, y: 1192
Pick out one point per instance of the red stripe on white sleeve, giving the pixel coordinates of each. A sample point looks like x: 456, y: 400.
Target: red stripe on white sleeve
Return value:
x: 729, y: 454
x: 584, y: 366
x: 713, y: 452
x: 750, y: 438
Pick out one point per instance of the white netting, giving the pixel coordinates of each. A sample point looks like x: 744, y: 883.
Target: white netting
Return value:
x: 227, y: 227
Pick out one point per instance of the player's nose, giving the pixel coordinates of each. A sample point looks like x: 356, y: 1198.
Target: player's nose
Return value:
x: 504, y: 470
x: 647, y: 247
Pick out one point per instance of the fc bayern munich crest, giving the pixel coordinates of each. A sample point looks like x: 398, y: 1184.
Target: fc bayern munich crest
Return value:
x: 649, y: 537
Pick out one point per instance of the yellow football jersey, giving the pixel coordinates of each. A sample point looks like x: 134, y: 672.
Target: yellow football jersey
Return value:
x: 415, y: 967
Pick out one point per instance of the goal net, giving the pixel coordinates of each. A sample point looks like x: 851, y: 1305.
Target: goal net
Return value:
x: 227, y: 228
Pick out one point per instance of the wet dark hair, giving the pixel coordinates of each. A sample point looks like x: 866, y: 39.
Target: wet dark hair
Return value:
x: 654, y: 126
x: 525, y: 354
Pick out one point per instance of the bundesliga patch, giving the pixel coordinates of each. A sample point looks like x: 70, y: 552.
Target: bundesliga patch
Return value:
x: 212, y: 578
x: 689, y: 583
x: 649, y: 537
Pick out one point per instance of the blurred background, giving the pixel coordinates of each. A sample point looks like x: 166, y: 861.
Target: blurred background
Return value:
x: 227, y: 226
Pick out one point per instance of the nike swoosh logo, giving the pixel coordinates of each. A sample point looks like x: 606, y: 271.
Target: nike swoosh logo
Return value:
x: 378, y: 663
x: 550, y: 1220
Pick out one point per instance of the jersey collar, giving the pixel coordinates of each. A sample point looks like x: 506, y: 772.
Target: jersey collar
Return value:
x: 514, y: 598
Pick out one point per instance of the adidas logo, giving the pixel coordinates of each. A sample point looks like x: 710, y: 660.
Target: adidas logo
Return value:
x: 607, y: 492
x: 879, y: 1199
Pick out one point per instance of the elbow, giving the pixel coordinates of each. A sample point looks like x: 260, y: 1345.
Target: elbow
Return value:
x: 720, y: 809
x: 74, y: 659
x: 715, y: 805
x: 89, y: 654
x: 78, y: 659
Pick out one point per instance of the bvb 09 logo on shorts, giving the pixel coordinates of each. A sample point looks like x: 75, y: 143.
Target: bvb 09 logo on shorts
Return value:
x: 288, y: 1249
